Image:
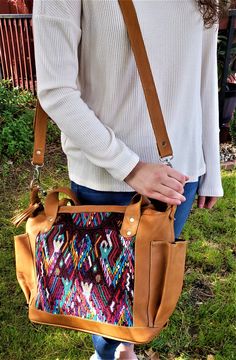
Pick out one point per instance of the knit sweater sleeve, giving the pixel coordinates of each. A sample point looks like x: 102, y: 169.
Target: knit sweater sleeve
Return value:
x: 210, y: 182
x: 57, y: 34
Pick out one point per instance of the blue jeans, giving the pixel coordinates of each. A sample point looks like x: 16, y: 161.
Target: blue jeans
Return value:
x: 105, y: 348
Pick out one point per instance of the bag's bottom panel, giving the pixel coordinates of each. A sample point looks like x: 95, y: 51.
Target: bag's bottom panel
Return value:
x: 136, y: 335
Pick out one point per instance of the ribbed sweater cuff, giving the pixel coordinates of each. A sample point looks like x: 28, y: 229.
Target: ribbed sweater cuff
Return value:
x: 124, y: 167
x: 206, y: 188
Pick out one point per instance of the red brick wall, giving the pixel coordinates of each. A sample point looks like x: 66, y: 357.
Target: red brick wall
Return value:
x: 16, y: 6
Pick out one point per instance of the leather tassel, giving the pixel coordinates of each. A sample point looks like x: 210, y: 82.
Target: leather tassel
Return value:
x: 24, y: 215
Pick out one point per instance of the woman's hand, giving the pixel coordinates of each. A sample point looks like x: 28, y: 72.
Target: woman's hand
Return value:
x: 158, y: 181
x: 206, y: 202
x: 232, y: 79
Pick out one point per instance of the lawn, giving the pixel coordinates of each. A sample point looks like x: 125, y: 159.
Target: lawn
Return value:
x: 202, y: 327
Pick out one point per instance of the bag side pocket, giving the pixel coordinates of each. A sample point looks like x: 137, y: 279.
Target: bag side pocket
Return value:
x: 173, y: 280
x: 24, y: 259
x: 158, y: 262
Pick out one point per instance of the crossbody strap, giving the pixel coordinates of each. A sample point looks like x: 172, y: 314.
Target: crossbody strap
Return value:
x: 145, y: 73
x: 150, y: 92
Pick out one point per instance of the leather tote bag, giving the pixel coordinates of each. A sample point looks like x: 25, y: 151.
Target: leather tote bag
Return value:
x: 115, y: 271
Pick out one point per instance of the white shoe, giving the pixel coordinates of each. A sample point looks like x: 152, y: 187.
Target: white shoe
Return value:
x: 93, y: 357
x: 125, y: 352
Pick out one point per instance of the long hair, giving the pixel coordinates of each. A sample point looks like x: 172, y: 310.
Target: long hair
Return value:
x: 213, y: 10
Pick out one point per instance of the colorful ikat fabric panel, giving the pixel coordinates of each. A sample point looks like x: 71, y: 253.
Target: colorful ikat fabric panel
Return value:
x: 85, y: 268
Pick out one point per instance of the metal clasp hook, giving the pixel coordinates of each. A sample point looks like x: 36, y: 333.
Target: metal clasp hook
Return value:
x: 166, y: 160
x: 36, y: 179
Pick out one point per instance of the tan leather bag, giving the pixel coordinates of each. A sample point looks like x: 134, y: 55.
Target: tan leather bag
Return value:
x: 115, y: 271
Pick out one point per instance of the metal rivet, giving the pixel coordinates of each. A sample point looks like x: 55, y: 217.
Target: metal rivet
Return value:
x: 131, y: 219
x: 50, y: 219
x: 45, y: 229
x: 38, y: 152
x: 98, y: 278
x: 129, y: 233
x: 163, y: 143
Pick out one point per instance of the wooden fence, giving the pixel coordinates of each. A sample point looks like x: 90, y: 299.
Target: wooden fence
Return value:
x: 17, y: 50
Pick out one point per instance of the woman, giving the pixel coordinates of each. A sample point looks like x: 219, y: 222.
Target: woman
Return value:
x: 89, y: 85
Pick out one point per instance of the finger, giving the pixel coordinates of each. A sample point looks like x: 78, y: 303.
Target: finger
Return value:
x: 210, y: 202
x: 177, y: 175
x: 165, y: 199
x: 168, y: 193
x: 173, y: 184
x: 201, y: 202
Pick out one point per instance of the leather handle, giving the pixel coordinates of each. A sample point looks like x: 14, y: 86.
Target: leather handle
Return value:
x: 52, y: 202
x: 149, y: 88
x: 131, y: 216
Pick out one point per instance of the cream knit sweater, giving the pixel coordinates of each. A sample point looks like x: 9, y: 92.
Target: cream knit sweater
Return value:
x: 89, y: 85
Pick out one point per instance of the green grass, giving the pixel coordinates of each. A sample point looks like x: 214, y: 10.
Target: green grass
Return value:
x: 202, y: 325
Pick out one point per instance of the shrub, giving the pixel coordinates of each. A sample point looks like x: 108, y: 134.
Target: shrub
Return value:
x: 16, y: 116
x: 233, y: 128
x: 221, y: 52
x: 16, y: 123
x: 16, y: 134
